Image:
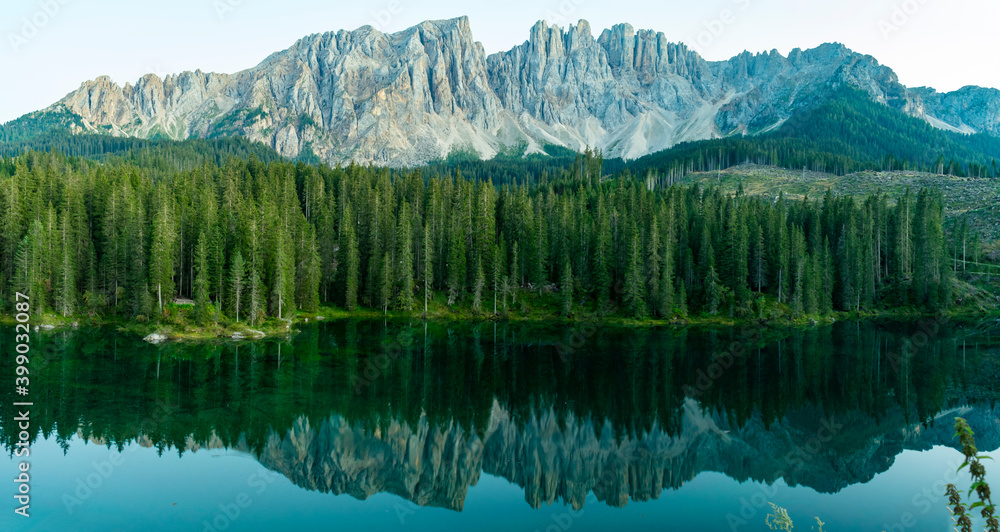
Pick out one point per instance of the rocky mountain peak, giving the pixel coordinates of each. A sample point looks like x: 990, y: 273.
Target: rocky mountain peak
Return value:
x: 414, y: 95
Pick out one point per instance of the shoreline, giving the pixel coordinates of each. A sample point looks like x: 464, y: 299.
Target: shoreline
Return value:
x: 225, y: 330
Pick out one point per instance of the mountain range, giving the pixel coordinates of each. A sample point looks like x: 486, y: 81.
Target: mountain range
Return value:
x: 563, y: 460
x: 407, y: 98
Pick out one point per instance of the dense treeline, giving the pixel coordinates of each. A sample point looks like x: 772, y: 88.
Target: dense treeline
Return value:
x: 162, y: 155
x: 248, y: 239
x: 513, y: 166
x: 166, y: 156
x: 845, y: 133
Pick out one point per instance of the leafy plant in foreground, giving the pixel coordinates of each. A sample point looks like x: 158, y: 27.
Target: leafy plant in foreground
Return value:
x: 960, y: 512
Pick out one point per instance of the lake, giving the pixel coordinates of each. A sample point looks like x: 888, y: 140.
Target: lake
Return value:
x: 406, y: 425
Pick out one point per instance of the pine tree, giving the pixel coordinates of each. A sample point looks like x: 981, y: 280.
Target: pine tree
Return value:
x: 237, y: 277
x: 11, y: 229
x: 846, y: 278
x: 566, y: 286
x: 256, y: 297
x: 428, y: 265
x: 782, y: 258
x: 602, y: 256
x: 827, y: 283
x: 257, y: 310
x: 515, y: 279
x: 635, y: 301
x: 759, y: 259
x: 904, y: 243
x: 653, y: 257
x: 351, y: 260
x: 137, y: 273
x: 385, y: 284
x: 713, y: 291
x: 67, y: 271
x: 741, y: 252
x: 216, y: 268
x: 308, y: 272
x: 28, y: 267
x: 498, y: 279
x: 201, y: 303
x: 456, y: 264
x: 541, y: 252
x: 161, y: 255
x: 404, y: 260
x: 665, y: 303
x: 282, y: 278
x: 478, y: 287
x: 800, y: 284
x: 682, y: 307
x: 813, y: 283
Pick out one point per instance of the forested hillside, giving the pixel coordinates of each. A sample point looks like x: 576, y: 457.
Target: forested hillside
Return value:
x: 161, y: 155
x: 845, y: 133
x: 248, y: 239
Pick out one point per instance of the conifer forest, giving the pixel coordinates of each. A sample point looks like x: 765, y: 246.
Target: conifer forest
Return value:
x: 247, y: 239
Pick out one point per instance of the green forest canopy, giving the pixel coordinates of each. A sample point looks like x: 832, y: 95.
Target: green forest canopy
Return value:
x: 252, y: 239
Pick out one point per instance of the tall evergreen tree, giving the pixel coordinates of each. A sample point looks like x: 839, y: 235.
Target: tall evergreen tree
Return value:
x: 566, y: 286
x: 67, y: 270
x: 635, y: 301
x: 385, y: 284
x: 404, y: 260
x: 201, y: 303
x: 161, y: 255
x: 428, y: 265
x: 237, y: 278
x: 351, y: 260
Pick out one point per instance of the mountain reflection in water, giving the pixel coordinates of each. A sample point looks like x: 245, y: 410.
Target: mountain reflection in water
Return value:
x: 421, y: 411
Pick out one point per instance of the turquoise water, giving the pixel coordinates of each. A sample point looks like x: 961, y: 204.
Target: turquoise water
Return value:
x: 398, y: 426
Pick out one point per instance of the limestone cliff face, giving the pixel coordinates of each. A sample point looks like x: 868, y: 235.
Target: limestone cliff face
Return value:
x: 405, y: 98
x: 564, y: 460
x: 967, y: 110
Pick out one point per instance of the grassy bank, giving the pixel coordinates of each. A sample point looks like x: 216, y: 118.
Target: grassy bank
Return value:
x: 177, y: 322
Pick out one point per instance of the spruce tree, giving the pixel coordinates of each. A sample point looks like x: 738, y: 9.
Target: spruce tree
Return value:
x: 256, y: 307
x: 635, y: 301
x: 665, y: 302
x: 741, y: 257
x: 428, y: 265
x: 566, y: 286
x: 478, y: 287
x: 682, y: 307
x: 282, y: 278
x: 351, y: 260
x: 602, y: 257
x: 201, y: 303
x: 404, y: 260
x: 161, y: 255
x: 385, y: 284
x: 713, y: 291
x: 67, y: 271
x: 759, y: 260
x: 237, y: 275
x: 456, y: 264
x: 308, y: 272
x: 28, y: 267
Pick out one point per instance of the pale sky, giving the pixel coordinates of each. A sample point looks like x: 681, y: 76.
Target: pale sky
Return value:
x: 49, y: 47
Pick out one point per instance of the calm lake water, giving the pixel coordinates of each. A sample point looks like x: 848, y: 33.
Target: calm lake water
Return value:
x: 398, y: 426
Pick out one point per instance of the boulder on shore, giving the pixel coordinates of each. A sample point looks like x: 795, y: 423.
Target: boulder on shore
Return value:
x: 155, y: 338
